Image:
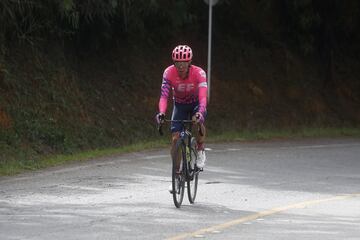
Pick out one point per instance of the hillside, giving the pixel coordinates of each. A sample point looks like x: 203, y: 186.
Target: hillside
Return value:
x: 61, y: 97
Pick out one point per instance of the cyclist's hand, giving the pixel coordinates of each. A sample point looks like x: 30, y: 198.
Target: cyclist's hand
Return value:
x: 160, y: 118
x: 199, y: 118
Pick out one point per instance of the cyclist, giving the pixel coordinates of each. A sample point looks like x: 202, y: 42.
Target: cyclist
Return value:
x: 188, y: 85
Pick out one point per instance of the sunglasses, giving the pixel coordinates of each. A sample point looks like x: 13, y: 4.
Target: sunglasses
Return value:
x: 181, y: 64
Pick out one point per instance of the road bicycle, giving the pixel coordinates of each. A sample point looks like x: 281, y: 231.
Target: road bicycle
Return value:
x: 185, y: 151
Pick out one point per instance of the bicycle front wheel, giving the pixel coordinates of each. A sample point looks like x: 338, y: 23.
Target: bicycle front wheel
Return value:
x: 192, y: 180
x: 178, y: 177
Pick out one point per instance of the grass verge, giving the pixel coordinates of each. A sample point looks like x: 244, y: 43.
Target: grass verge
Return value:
x: 8, y: 168
x: 267, y: 134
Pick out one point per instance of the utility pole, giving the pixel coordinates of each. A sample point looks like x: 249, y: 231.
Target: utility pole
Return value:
x: 211, y: 3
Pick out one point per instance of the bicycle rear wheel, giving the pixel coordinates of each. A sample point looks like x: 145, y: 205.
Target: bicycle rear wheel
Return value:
x: 193, y: 173
x: 178, y: 180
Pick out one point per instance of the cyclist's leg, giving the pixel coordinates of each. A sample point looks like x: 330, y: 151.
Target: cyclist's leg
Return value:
x: 175, y: 137
x: 200, y: 138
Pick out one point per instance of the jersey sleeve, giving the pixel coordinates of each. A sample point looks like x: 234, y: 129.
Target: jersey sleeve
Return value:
x: 202, y: 91
x: 165, y: 91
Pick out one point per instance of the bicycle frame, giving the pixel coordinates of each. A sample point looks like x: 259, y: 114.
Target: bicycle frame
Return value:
x: 185, y: 133
x: 188, y: 167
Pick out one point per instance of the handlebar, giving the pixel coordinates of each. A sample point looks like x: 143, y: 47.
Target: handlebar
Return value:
x: 179, y: 121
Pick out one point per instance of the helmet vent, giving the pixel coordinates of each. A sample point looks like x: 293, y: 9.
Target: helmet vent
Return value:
x: 182, y: 53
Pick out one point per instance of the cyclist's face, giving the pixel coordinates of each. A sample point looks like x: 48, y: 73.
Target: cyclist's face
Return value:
x: 182, y: 68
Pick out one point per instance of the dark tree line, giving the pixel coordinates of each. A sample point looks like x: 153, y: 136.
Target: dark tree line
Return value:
x: 309, y: 24
x: 34, y: 21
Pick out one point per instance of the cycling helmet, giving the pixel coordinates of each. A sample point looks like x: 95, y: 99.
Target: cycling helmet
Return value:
x: 182, y: 53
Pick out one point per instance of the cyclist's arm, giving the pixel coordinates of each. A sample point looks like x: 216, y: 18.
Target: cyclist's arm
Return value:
x: 165, y: 91
x: 202, y: 99
x: 202, y: 92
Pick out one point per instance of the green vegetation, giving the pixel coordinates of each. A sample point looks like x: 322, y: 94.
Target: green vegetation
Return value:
x: 12, y: 167
x: 77, y: 76
x: 301, y: 132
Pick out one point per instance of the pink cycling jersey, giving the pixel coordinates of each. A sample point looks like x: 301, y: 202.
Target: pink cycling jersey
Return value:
x: 189, y: 90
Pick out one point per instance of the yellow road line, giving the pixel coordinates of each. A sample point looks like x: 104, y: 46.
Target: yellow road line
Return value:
x: 259, y: 215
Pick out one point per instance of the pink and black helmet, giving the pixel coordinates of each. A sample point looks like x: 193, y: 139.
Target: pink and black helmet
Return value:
x: 182, y: 53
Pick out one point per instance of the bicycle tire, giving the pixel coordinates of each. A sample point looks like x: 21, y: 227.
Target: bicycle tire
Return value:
x: 193, y: 173
x: 177, y: 179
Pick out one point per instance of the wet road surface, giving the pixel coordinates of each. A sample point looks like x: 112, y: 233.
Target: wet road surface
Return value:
x: 296, y: 189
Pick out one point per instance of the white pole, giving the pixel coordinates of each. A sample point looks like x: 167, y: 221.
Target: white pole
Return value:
x: 209, y: 49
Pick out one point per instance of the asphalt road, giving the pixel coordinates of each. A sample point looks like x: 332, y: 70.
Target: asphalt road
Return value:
x: 297, y: 189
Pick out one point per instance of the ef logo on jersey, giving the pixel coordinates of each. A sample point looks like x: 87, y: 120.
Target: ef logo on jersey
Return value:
x: 182, y: 87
